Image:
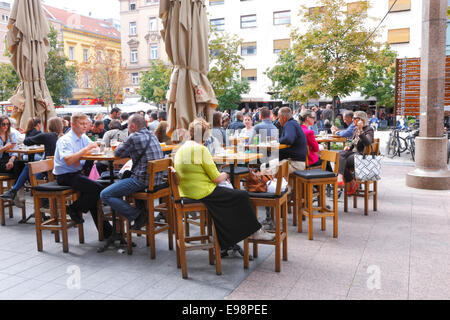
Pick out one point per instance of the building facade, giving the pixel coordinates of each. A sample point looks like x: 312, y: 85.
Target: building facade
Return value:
x: 265, y: 28
x: 141, y: 39
x: 78, y: 34
x: 5, y: 9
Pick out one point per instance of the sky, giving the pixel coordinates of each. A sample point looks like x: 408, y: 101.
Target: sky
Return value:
x: 102, y: 9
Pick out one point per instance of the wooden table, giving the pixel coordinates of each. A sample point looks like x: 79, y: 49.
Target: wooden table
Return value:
x: 267, y: 147
x: 29, y: 152
x: 331, y: 139
x: 170, y: 148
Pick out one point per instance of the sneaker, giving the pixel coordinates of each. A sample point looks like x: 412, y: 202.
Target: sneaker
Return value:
x: 75, y: 216
x: 140, y: 221
x: 261, y: 234
x: 9, y: 195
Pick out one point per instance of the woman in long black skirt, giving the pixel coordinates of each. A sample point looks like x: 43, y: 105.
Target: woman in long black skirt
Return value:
x: 231, y: 210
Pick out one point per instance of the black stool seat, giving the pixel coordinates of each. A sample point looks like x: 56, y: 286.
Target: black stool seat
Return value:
x: 51, y: 187
x: 237, y: 170
x: 315, y: 174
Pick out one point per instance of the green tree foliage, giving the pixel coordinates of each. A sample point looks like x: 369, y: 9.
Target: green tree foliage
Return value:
x: 155, y: 82
x: 61, y: 78
x: 335, y: 44
x: 8, y: 81
x: 286, y: 78
x: 378, y: 78
x: 225, y: 68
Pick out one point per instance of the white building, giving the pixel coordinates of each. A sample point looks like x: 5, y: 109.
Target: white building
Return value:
x: 265, y: 26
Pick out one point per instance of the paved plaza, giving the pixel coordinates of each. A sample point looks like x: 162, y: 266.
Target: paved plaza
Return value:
x: 400, y: 252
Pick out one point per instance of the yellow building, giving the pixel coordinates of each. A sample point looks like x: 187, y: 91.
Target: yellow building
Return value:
x: 79, y: 34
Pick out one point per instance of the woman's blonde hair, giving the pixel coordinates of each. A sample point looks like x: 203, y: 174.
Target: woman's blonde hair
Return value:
x: 197, y: 127
x: 55, y: 125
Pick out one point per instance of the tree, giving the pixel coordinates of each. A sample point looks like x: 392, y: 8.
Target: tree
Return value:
x: 336, y: 42
x: 61, y: 78
x: 104, y: 73
x: 286, y: 78
x: 8, y: 81
x: 378, y: 78
x: 224, y: 73
x: 155, y: 82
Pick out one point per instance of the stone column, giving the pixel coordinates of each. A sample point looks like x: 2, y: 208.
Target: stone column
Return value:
x: 431, y: 147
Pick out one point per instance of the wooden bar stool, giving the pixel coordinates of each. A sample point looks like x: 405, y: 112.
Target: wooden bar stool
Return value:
x: 365, y: 191
x: 279, y: 203
x: 9, y: 180
x: 305, y: 181
x: 58, y: 197
x: 184, y: 243
x: 154, y: 192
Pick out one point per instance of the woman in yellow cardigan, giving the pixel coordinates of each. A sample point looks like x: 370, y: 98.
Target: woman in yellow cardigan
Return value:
x: 231, y: 210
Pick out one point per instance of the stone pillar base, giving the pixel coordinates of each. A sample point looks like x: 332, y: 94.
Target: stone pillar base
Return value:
x: 431, y: 165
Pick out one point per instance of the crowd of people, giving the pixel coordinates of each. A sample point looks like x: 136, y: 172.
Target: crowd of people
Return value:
x: 140, y: 136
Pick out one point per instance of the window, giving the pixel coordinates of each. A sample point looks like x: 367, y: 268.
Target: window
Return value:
x: 132, y: 28
x: 249, y: 74
x: 85, y: 55
x: 248, y: 48
x: 134, y: 56
x: 281, y: 17
x: 154, y: 52
x: 396, y: 36
x: 316, y: 10
x: 71, y: 53
x: 357, y: 7
x: 132, y: 5
x: 215, y: 2
x: 248, y: 21
x: 5, y: 18
x: 86, y: 80
x: 218, y: 24
x: 401, y: 5
x: 281, y: 44
x: 135, y: 78
x: 152, y: 25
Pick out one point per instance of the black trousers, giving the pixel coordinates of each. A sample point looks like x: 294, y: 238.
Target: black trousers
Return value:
x: 233, y: 215
x: 346, y: 163
x: 16, y: 169
x: 90, y: 194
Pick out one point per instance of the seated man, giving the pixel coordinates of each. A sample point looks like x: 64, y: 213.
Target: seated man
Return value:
x: 70, y: 148
x: 266, y: 128
x: 347, y: 133
x: 293, y: 136
x: 141, y: 146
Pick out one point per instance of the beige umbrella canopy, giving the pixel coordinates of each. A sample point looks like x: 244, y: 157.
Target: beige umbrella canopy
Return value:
x: 28, y: 43
x: 185, y: 35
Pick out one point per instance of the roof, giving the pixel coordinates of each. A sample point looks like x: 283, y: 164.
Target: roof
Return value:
x: 83, y: 23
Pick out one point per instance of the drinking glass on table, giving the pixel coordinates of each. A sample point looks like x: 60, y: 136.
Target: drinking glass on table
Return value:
x: 114, y: 144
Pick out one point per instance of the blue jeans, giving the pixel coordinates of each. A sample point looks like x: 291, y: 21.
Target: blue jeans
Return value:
x: 113, y: 196
x: 23, y: 177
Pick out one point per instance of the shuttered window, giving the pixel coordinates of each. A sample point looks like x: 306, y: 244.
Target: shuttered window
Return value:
x: 282, y: 44
x: 357, y: 6
x: 401, y: 5
x: 398, y: 36
x: 249, y: 74
x: 248, y: 48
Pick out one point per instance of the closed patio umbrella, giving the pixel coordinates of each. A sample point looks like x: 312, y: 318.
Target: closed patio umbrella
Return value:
x: 29, y: 45
x: 185, y: 33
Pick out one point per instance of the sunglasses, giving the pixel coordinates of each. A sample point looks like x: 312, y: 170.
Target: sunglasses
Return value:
x: 4, y: 124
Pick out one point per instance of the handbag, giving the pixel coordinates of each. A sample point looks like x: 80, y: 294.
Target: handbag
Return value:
x: 257, y: 183
x: 367, y: 168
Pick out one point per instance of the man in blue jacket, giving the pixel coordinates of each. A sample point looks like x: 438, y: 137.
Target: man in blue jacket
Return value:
x: 346, y: 133
x: 293, y: 136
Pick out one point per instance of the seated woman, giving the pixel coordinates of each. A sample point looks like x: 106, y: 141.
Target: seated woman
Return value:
x: 363, y: 136
x: 231, y: 210
x: 248, y: 130
x: 48, y: 139
x: 8, y: 163
x: 307, y: 119
x: 161, y: 133
x: 217, y: 131
x: 34, y: 127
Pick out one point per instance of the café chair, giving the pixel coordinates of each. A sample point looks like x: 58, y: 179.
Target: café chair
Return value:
x: 365, y: 191
x: 9, y: 180
x: 152, y: 193
x: 240, y: 173
x: 58, y: 196
x: 185, y: 243
x: 305, y: 182
x: 278, y: 202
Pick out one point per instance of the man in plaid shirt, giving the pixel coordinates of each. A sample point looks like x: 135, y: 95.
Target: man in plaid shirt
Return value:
x: 141, y: 146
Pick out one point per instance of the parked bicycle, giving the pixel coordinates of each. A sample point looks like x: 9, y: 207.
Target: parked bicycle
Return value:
x: 396, y: 144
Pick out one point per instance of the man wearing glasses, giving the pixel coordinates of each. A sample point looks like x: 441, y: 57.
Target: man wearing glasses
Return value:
x: 349, y: 121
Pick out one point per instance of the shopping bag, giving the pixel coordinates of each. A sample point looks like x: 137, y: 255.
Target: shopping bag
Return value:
x: 94, y: 175
x: 272, y: 186
x: 367, y: 168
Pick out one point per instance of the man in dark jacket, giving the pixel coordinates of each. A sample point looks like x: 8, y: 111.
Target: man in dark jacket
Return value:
x: 293, y: 136
x: 239, y: 123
